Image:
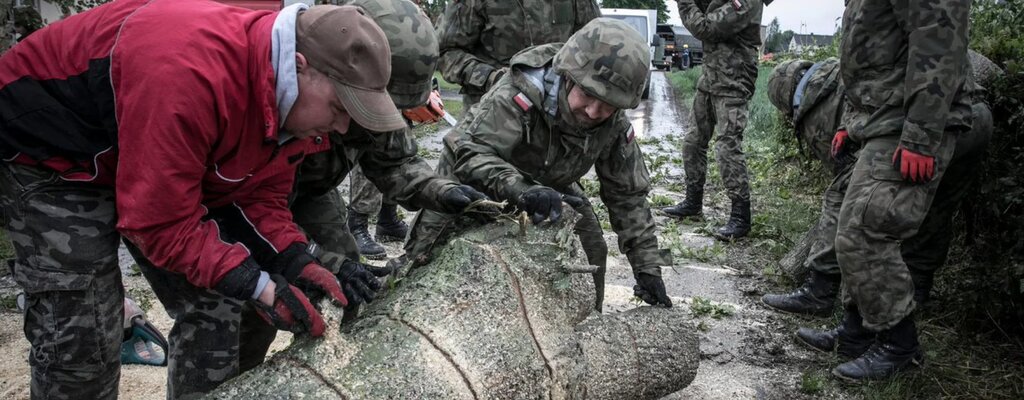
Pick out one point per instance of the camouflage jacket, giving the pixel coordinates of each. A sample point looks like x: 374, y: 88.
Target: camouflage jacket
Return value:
x: 503, y: 148
x: 479, y: 36
x: 905, y: 65
x: 388, y: 159
x: 820, y: 98
x: 731, y: 32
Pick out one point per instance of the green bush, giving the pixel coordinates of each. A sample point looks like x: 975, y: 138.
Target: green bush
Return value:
x: 995, y: 212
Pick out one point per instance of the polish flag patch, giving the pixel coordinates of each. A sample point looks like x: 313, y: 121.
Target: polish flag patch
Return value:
x: 736, y: 4
x: 523, y: 102
x: 630, y: 135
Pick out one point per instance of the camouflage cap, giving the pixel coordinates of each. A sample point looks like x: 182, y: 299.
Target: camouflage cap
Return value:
x: 783, y: 81
x: 414, y: 49
x: 609, y: 60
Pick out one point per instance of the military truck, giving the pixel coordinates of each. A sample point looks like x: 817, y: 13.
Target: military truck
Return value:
x: 685, y: 50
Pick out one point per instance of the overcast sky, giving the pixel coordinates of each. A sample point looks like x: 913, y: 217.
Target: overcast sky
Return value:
x: 817, y: 16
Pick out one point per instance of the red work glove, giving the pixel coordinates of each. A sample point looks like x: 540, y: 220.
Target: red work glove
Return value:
x: 428, y: 113
x: 301, y: 269
x: 913, y: 166
x: 313, y: 276
x: 838, y: 141
x: 291, y: 311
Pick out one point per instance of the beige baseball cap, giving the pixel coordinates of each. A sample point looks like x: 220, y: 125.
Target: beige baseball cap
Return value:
x: 345, y: 44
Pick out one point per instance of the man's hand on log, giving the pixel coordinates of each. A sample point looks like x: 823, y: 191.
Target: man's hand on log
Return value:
x: 359, y: 281
x: 289, y: 309
x: 651, y: 289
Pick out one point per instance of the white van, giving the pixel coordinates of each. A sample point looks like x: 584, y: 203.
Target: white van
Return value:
x: 645, y: 22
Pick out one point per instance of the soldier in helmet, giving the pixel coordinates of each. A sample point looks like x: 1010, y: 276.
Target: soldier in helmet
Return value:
x: 811, y: 96
x: 479, y: 37
x: 730, y: 30
x: 557, y: 114
x: 202, y: 356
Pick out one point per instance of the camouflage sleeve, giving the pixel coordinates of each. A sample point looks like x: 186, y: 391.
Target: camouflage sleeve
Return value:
x: 625, y: 183
x: 936, y: 60
x: 457, y: 39
x: 393, y: 166
x: 586, y: 11
x: 722, y: 23
x: 482, y: 145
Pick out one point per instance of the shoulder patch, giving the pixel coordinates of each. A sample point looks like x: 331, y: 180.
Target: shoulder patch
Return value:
x: 737, y: 5
x: 524, y: 103
x: 630, y: 135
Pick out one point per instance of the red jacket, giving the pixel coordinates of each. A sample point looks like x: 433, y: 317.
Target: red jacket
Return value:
x: 170, y: 101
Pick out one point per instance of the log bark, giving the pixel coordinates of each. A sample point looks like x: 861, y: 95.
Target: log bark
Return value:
x: 496, y: 315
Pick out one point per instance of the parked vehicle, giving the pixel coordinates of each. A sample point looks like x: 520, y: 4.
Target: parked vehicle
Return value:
x: 684, y: 49
x: 645, y: 22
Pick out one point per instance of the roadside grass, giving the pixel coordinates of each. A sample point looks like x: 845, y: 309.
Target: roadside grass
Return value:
x: 454, y: 107
x: 445, y: 85
x: 685, y: 83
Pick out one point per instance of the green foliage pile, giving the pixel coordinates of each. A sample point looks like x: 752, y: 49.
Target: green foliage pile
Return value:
x: 995, y: 216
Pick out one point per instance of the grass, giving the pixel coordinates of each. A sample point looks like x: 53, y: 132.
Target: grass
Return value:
x: 701, y: 307
x: 445, y: 85
x: 454, y: 107
x: 685, y: 82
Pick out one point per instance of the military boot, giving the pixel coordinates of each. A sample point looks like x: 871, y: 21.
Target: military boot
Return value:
x: 815, y: 297
x: 389, y: 227
x: 691, y: 206
x: 357, y: 224
x: 849, y: 339
x: 739, y: 221
x: 896, y: 350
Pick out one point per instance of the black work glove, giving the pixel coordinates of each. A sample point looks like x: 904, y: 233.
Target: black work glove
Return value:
x: 291, y: 311
x: 651, y: 289
x: 359, y: 281
x: 456, y: 199
x: 542, y: 202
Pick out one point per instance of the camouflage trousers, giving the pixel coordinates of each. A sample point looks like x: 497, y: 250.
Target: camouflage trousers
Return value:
x: 65, y: 247
x: 364, y: 197
x: 888, y: 226
x: 215, y: 338
x: 726, y: 116
x: 926, y: 251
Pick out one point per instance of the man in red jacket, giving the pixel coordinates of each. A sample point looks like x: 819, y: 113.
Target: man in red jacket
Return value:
x: 177, y: 125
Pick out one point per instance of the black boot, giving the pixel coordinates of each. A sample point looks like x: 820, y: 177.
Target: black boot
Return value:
x: 389, y: 227
x: 357, y: 224
x: 849, y: 339
x: 896, y: 350
x: 815, y: 297
x: 739, y: 221
x: 691, y: 206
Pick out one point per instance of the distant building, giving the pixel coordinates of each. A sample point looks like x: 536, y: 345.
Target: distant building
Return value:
x: 801, y: 43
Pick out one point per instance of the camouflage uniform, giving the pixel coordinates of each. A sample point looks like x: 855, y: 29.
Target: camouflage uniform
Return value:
x: 480, y: 37
x: 812, y: 96
x: 74, y: 355
x: 906, y: 78
x: 201, y: 355
x: 730, y: 31
x: 504, y: 147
